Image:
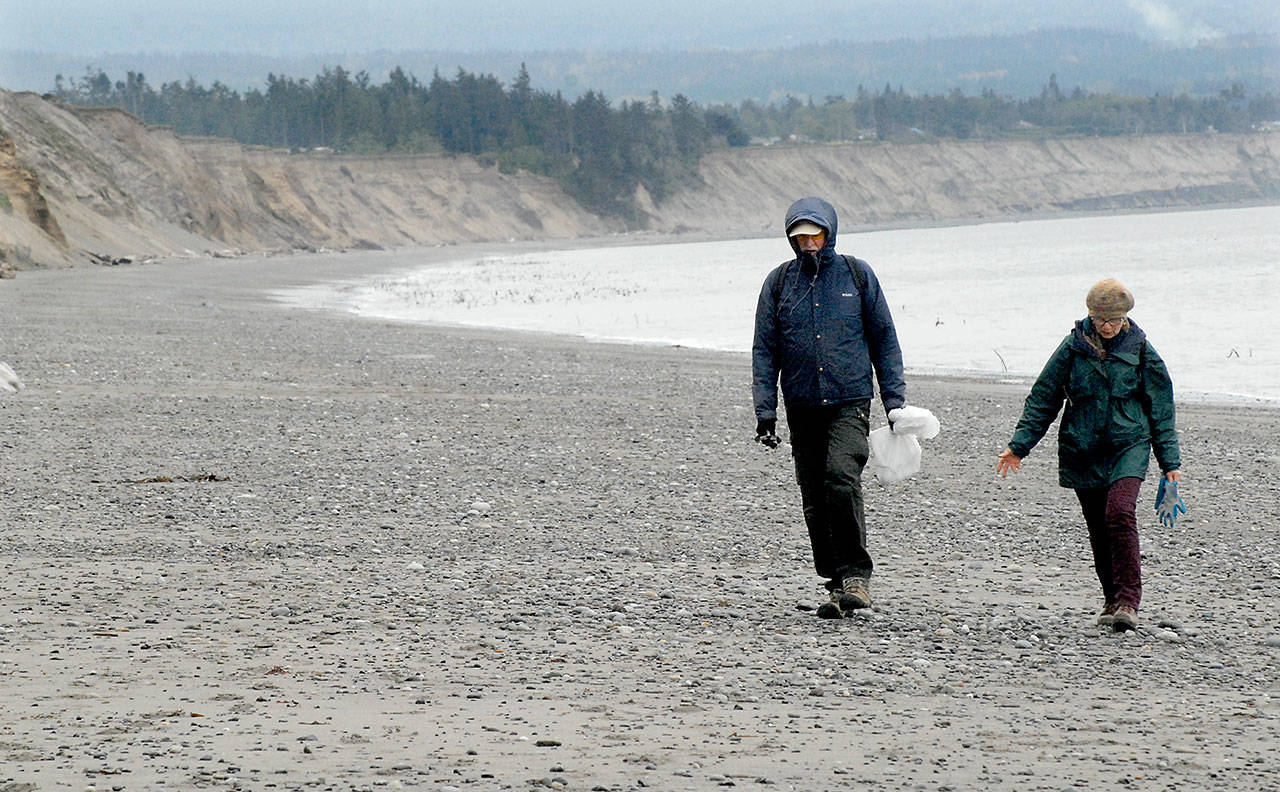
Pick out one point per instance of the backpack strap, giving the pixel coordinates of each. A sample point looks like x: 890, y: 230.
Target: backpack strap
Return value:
x: 857, y: 268
x: 777, y: 284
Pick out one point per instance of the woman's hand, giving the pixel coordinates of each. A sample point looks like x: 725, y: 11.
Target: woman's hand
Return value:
x: 1174, y: 475
x: 1007, y: 462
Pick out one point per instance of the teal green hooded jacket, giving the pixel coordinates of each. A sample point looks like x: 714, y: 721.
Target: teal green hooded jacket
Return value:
x: 1118, y: 407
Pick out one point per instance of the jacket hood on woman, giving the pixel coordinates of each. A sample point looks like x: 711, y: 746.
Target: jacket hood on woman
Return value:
x: 1127, y: 342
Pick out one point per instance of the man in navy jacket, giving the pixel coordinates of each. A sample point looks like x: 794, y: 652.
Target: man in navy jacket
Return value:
x: 822, y: 327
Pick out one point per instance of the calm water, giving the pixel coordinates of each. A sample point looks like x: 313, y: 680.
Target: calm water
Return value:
x: 990, y: 299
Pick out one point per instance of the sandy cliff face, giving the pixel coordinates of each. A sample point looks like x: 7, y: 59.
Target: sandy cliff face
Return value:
x: 77, y: 182
x: 878, y: 184
x: 22, y: 199
x: 119, y: 188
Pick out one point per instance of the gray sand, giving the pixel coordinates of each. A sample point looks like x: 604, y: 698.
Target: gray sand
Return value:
x: 251, y: 547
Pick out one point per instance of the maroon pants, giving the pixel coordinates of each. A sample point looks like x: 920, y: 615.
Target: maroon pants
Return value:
x: 1113, y: 535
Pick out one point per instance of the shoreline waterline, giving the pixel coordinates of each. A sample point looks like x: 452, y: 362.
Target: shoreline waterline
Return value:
x: 976, y: 376
x: 989, y: 300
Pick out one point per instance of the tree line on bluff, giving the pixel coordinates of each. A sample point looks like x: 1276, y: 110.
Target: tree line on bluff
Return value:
x: 601, y: 153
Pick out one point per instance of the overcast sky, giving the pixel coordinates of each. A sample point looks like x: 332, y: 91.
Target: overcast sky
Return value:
x: 296, y: 27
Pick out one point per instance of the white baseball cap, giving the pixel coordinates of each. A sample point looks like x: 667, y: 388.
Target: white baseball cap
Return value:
x: 804, y: 227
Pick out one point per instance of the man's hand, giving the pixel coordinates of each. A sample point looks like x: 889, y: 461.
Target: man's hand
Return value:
x: 765, y: 434
x: 1007, y: 462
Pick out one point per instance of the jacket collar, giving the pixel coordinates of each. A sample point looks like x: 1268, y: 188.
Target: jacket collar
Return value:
x: 1127, y: 348
x: 824, y: 259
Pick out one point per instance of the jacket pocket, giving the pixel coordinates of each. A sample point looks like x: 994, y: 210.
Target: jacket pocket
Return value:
x: 1125, y: 381
x: 1084, y: 428
x: 1084, y: 385
x: 1129, y: 422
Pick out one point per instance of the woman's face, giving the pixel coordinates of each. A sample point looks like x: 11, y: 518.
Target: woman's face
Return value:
x: 1108, y: 328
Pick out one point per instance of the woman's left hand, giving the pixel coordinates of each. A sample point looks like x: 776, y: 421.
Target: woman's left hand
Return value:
x: 1174, y: 475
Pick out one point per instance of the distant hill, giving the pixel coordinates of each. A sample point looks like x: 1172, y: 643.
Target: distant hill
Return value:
x: 1010, y: 65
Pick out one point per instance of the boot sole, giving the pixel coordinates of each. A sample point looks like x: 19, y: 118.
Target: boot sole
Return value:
x: 1125, y: 621
x: 850, y: 602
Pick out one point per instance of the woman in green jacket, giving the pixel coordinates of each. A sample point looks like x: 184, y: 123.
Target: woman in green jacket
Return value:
x: 1118, y: 407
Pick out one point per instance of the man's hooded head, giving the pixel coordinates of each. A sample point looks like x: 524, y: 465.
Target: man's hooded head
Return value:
x: 810, y: 216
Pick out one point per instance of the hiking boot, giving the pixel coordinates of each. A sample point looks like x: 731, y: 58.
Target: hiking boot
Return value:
x: 857, y: 594
x: 831, y: 610
x: 1125, y: 618
x: 1108, y: 615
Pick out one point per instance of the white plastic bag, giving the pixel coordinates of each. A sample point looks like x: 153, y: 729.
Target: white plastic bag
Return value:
x: 895, y: 453
x: 8, y: 380
x: 894, y: 457
x: 914, y: 421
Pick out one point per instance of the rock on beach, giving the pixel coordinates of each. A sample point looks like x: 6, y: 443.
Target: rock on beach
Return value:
x: 247, y: 547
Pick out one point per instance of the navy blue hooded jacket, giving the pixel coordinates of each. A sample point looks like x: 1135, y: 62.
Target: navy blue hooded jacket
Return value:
x: 812, y: 333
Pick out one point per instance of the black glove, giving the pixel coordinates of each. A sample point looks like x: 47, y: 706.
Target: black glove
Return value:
x: 765, y: 434
x: 890, y: 420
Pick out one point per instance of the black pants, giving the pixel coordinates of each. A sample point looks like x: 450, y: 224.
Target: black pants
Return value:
x: 830, y: 449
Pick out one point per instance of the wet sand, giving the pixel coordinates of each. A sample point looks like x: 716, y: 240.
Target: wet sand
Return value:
x: 251, y: 547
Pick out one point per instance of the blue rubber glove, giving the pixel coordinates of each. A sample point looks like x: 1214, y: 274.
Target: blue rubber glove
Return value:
x: 1169, y: 503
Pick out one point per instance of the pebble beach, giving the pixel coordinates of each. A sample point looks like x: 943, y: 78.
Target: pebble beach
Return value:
x: 246, y: 546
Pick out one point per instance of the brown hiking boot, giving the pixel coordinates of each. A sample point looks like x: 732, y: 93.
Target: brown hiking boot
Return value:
x: 857, y: 594
x: 1108, y: 615
x: 831, y: 610
x: 1125, y: 618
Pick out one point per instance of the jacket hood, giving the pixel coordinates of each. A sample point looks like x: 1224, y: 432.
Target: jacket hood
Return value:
x: 1128, y: 342
x: 812, y: 210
